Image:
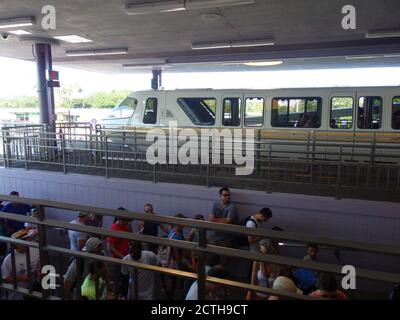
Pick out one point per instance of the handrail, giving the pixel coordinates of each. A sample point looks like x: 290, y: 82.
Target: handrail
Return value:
x: 278, y: 235
x: 43, y: 223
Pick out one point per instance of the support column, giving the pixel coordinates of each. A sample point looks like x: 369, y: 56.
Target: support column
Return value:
x: 156, y: 81
x: 46, y: 93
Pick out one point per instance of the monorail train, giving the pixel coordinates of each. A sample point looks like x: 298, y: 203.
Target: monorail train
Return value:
x: 372, y: 109
x: 366, y: 116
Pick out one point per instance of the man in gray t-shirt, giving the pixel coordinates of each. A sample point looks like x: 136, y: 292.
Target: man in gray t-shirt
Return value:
x: 78, y: 269
x: 223, y: 211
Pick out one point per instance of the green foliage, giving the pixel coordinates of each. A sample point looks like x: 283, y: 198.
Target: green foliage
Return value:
x: 19, y: 102
x: 65, y: 97
x: 100, y: 100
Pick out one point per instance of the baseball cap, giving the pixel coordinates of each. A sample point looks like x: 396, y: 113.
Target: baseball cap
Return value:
x: 81, y: 214
x: 92, y: 244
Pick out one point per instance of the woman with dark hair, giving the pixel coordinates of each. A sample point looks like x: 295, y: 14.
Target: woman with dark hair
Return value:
x: 141, y: 282
x: 328, y: 288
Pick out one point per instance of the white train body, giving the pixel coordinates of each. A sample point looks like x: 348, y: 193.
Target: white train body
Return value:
x: 353, y: 114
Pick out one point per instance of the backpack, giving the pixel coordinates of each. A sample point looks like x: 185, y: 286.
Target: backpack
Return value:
x: 242, y: 240
x: 80, y: 269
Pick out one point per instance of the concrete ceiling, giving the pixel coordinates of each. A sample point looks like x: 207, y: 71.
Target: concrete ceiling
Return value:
x: 308, y: 34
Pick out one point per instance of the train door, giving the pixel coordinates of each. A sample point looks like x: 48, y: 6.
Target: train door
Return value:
x: 232, y: 111
x: 369, y: 123
x: 341, y: 124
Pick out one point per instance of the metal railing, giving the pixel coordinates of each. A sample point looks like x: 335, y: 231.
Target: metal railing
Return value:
x: 202, y: 247
x: 340, y: 166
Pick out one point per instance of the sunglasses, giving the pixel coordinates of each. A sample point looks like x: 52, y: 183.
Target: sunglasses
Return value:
x: 226, y: 195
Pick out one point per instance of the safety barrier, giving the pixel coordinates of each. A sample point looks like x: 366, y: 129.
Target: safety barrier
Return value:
x: 202, y: 247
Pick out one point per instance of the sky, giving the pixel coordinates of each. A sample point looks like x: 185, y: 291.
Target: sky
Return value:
x: 19, y: 78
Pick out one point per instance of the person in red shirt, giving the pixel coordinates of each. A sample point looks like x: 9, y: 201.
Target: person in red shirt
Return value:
x: 119, y: 248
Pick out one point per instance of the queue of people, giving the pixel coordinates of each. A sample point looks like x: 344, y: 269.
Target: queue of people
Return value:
x: 120, y: 281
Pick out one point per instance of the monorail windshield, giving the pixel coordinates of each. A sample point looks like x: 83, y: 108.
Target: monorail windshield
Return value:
x: 124, y: 110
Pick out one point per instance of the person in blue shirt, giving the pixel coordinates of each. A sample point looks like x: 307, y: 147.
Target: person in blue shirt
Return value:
x: 16, y: 208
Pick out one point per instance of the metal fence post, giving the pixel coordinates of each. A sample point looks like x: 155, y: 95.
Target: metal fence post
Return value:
x: 338, y: 175
x: 7, y: 148
x: 26, y: 152
x: 269, y: 168
x: 201, y: 266
x: 64, y: 159
x: 43, y: 253
x: 106, y: 155
x: 258, y: 153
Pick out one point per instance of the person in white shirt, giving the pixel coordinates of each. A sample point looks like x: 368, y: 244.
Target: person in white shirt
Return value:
x: 253, y: 222
x: 21, y: 268
x: 145, y: 278
x: 78, y: 239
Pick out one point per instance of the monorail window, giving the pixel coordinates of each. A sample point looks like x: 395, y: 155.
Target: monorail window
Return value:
x: 231, y: 112
x: 150, y: 111
x: 369, y: 112
x: 341, y: 113
x: 296, y: 112
x: 254, y: 112
x: 125, y: 109
x: 201, y: 111
x: 396, y: 113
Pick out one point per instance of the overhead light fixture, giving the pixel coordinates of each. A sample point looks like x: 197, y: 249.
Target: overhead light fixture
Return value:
x: 362, y: 57
x: 19, y: 32
x: 205, y: 4
x: 73, y: 39
x: 144, y: 66
x: 179, y: 5
x: 392, y: 55
x: 16, y: 22
x: 263, y: 63
x: 382, y: 34
x: 233, y: 44
x: 154, y: 7
x: 210, y: 45
x: 95, y: 52
x: 253, y: 43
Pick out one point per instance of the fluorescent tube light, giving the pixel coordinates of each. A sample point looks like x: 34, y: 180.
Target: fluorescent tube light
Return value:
x: 154, y: 7
x: 210, y: 45
x: 95, y: 52
x: 102, y: 52
x: 253, y: 43
x: 73, y: 39
x: 392, y: 55
x: 233, y: 44
x: 19, y: 32
x: 145, y: 66
x: 16, y: 22
x: 205, y: 4
x: 263, y: 63
x: 382, y: 34
x: 362, y: 57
